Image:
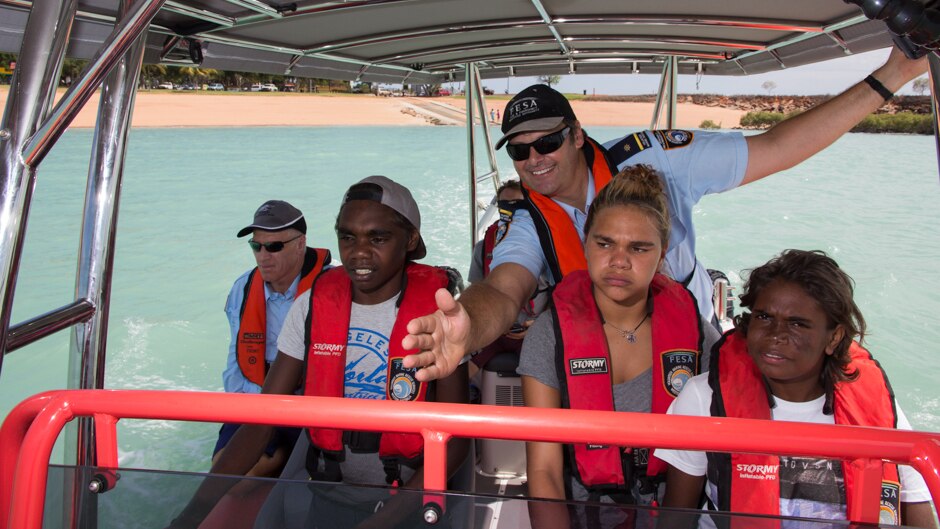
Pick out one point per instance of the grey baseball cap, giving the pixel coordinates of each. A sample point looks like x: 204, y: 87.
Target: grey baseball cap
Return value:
x: 394, y: 195
x: 276, y: 215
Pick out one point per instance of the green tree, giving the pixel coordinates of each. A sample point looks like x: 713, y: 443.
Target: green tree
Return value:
x: 71, y: 70
x: 5, y: 60
x: 921, y: 85
x: 550, y: 80
x: 152, y: 74
x: 199, y: 75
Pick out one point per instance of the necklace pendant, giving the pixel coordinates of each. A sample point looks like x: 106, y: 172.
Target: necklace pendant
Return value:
x: 629, y: 337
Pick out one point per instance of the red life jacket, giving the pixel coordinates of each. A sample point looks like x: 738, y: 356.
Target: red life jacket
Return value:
x: 558, y: 236
x: 252, y: 327
x: 739, y: 391
x: 677, y: 344
x: 328, y: 323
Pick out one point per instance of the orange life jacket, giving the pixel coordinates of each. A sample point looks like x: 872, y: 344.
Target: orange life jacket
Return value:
x: 585, y: 358
x: 739, y: 391
x: 252, y: 327
x: 558, y: 236
x: 328, y: 324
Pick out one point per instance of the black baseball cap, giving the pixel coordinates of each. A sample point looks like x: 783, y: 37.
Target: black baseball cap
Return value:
x: 276, y: 215
x: 537, y: 108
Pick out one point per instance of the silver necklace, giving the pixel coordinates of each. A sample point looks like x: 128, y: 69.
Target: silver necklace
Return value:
x: 629, y: 336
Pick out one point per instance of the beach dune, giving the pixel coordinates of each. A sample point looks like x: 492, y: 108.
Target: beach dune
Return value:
x: 163, y: 108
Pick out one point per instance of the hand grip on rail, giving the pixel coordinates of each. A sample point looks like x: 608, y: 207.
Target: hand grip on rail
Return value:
x: 915, y: 25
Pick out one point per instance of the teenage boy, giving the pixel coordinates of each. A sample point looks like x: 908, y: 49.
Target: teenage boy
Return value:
x: 360, y: 308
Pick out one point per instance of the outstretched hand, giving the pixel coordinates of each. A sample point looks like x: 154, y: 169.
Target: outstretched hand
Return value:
x: 441, y: 339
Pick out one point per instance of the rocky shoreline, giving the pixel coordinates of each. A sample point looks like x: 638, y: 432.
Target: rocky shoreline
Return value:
x: 771, y: 103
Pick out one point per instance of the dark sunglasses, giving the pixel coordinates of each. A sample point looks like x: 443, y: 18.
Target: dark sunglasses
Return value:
x: 543, y: 145
x: 271, y: 247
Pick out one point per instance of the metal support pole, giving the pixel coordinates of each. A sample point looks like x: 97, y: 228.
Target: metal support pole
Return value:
x: 934, y: 70
x: 660, y: 94
x: 493, y: 173
x: 31, y: 93
x: 471, y: 159
x: 96, y: 248
x: 481, y: 106
x: 671, y: 109
x: 27, y: 332
x: 131, y: 25
x: 476, y: 104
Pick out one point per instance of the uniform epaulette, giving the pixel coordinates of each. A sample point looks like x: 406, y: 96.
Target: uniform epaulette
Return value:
x: 629, y: 145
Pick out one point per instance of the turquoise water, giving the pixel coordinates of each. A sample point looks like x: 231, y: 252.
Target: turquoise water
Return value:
x: 868, y: 200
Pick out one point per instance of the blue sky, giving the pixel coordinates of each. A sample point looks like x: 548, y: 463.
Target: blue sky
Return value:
x: 830, y: 77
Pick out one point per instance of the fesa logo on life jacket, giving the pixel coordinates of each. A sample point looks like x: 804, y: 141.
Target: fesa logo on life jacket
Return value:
x: 890, y: 503
x: 761, y: 472
x: 587, y: 366
x: 403, y: 385
x: 252, y: 336
x: 326, y: 349
x: 678, y: 368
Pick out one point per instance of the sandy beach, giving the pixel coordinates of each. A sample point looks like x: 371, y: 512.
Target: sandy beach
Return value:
x: 162, y: 108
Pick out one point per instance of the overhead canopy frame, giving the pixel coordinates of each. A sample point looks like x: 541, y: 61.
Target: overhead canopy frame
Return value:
x: 431, y: 41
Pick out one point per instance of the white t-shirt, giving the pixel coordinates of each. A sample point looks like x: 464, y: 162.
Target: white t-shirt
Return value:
x: 811, y: 488
x: 370, y: 327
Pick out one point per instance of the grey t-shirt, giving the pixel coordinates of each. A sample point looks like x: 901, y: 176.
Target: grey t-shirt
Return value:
x: 538, y: 361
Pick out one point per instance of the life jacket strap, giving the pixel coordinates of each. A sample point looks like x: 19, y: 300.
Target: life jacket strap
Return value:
x: 331, y: 469
x: 392, y: 466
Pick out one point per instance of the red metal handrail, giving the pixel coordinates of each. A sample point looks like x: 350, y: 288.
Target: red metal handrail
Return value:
x: 30, y: 430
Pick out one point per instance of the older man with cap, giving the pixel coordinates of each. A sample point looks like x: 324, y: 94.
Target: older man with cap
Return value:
x: 258, y: 304
x: 562, y: 169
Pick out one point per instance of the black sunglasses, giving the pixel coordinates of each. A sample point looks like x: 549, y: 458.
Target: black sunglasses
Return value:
x: 271, y: 247
x: 543, y: 145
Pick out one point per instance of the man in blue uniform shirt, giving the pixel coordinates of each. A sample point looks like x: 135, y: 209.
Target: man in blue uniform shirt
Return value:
x: 560, y: 165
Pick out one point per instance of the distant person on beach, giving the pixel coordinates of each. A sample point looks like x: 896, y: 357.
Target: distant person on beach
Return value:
x: 794, y: 357
x: 492, y: 115
x: 256, y: 307
x: 376, y: 291
x: 562, y: 170
x: 641, y: 338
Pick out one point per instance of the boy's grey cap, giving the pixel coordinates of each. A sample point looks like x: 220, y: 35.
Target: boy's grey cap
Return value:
x: 395, y: 196
x: 276, y: 215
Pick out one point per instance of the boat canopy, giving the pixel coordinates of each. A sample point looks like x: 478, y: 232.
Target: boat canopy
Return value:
x: 433, y: 41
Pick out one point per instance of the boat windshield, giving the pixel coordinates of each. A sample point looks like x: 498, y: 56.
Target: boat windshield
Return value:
x: 148, y: 498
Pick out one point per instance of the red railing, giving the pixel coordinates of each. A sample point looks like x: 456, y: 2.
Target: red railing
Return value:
x: 30, y: 430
